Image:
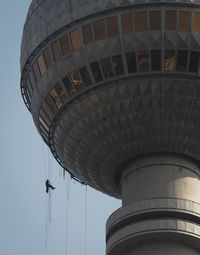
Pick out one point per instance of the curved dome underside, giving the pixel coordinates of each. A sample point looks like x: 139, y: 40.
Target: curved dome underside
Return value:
x: 119, y: 121
x: 45, y: 17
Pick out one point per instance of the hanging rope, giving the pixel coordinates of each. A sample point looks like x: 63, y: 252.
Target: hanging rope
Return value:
x: 86, y: 211
x: 67, y: 210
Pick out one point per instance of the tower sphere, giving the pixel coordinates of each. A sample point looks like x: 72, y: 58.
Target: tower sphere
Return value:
x: 109, y: 81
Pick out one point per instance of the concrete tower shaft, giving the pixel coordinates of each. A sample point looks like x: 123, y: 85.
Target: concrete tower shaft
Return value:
x: 161, y: 208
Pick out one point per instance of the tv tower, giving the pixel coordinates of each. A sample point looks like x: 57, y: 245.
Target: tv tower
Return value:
x: 113, y: 87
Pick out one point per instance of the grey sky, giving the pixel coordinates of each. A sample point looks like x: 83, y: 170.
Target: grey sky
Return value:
x: 22, y: 171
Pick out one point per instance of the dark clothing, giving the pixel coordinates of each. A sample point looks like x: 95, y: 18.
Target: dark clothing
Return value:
x: 48, y: 186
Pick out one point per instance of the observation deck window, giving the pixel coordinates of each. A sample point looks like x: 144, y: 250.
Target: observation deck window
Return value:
x: 47, y: 58
x: 44, y: 117
x: 87, y: 33
x: 55, y: 98
x: 65, y: 47
x: 56, y: 50
x: 182, y: 60
x: 112, y: 26
x: 118, y: 65
x: 43, y: 123
x: 170, y: 20
x: 61, y: 93
x: 143, y: 61
x: 127, y: 23
x: 51, y: 104
x: 156, y: 60
x: 196, y: 22
x: 107, y: 68
x: 75, y: 38
x: 47, y: 110
x: 96, y: 71
x: 76, y: 80
x: 99, y: 29
x: 194, y: 62
x: 85, y: 76
x: 131, y: 62
x: 140, y: 21
x: 155, y: 21
x: 169, y: 64
x: 41, y: 65
x: 36, y: 71
x: 184, y: 21
x: 70, y: 89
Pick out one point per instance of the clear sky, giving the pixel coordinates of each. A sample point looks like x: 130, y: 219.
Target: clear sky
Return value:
x: 25, y: 162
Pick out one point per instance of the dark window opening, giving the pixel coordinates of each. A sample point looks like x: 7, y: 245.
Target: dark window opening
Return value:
x: 118, y: 65
x: 85, y: 76
x: 156, y: 60
x: 170, y: 20
x: 127, y: 23
x: 87, y: 33
x: 55, y: 98
x: 47, y: 110
x: 107, y: 68
x: 41, y: 65
x: 155, y: 20
x: 51, y: 104
x: 47, y: 58
x: 194, y: 62
x: 131, y: 62
x: 65, y: 47
x: 143, y: 61
x: 75, y: 38
x: 96, y: 71
x: 169, y: 60
x: 76, y: 80
x: 112, y: 25
x: 182, y: 60
x: 36, y: 71
x: 99, y: 30
x: 184, y: 21
x: 196, y: 22
x: 68, y: 86
x: 45, y: 117
x: 140, y: 21
x: 56, y: 51
x: 61, y: 93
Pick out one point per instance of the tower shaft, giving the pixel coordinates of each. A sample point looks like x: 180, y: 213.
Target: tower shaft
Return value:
x: 160, y: 208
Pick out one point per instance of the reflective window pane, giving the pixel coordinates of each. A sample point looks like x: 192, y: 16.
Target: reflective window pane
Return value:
x: 156, y: 60
x: 51, y: 104
x: 41, y: 64
x: 118, y: 65
x: 68, y: 86
x: 107, y: 68
x: 127, y: 23
x: 43, y: 123
x: 45, y: 117
x: 143, y: 61
x: 140, y: 21
x: 65, y: 47
x: 155, y: 20
x: 184, y: 21
x: 112, y: 25
x: 194, y: 62
x: 131, y: 62
x: 170, y: 20
x: 55, y: 98
x: 196, y: 22
x: 96, y: 71
x: 47, y: 58
x: 76, y: 43
x: 47, y: 110
x: 169, y: 64
x: 56, y: 51
x: 61, y: 92
x: 76, y: 80
x: 87, y: 33
x: 99, y: 30
x: 36, y: 71
x: 85, y: 76
x: 182, y: 59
